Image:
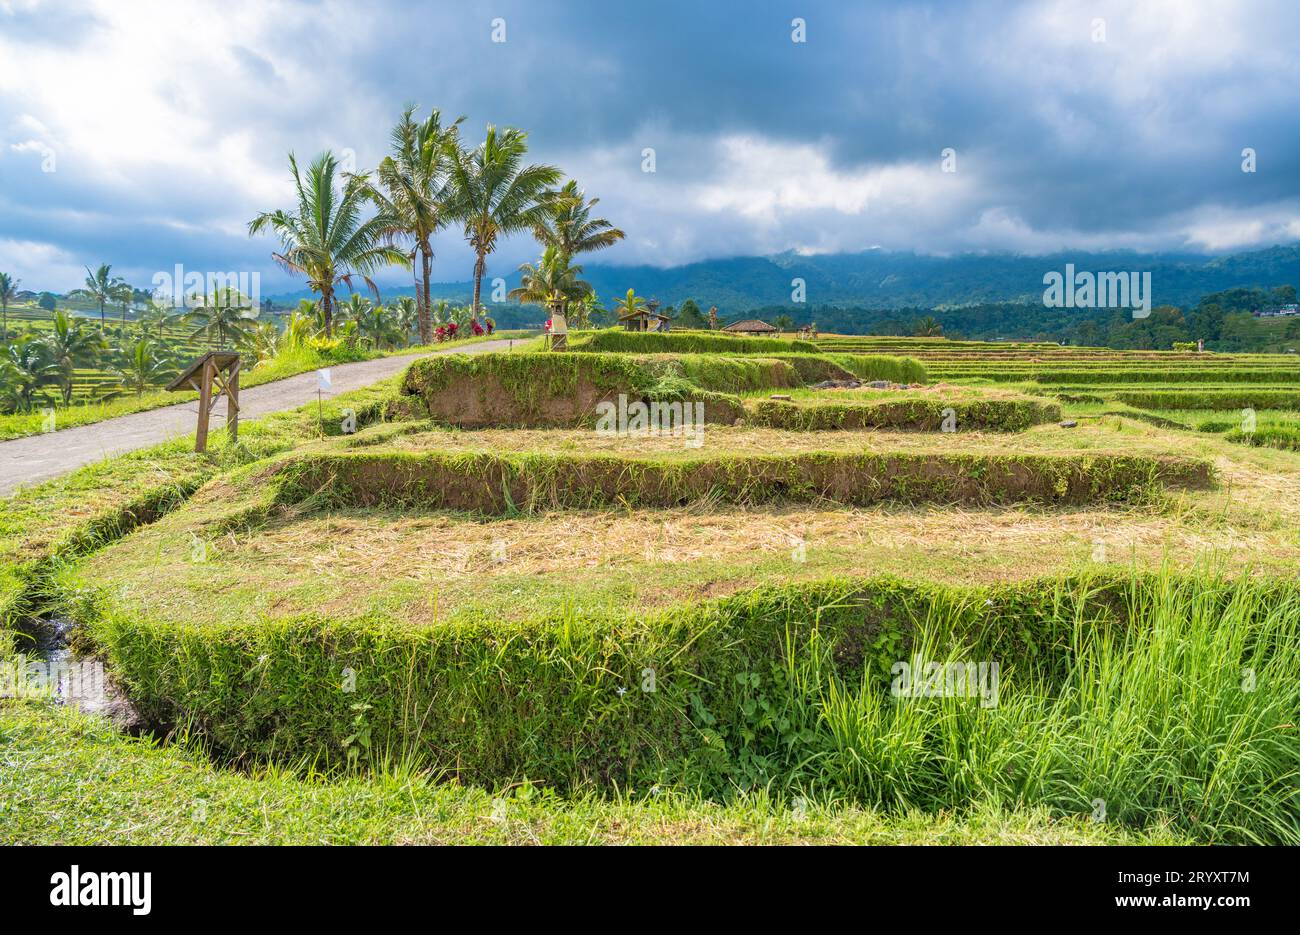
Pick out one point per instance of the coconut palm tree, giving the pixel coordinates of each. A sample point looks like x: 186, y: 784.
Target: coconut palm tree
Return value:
x: 928, y: 327
x: 379, y: 326
x: 142, y: 365
x: 571, y: 229
x: 630, y: 304
x: 28, y: 366
x: 100, y: 287
x: 157, y: 314
x: 586, y: 310
x: 494, y: 195
x: 324, y: 238
x: 265, y: 341
x: 222, y: 319
x: 8, y: 292
x: 70, y: 346
x: 124, y: 293
x: 552, y: 282
x: 356, y: 308
x: 407, y: 312
x: 412, y: 189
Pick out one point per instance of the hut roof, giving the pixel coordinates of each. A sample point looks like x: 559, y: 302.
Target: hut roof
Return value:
x: 750, y: 325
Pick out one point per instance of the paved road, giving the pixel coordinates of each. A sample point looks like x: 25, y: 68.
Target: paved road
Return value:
x: 40, y: 457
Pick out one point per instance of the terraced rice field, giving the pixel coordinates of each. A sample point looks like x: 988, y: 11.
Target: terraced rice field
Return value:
x: 507, y: 580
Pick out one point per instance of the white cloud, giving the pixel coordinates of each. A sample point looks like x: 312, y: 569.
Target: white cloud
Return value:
x: 37, y: 264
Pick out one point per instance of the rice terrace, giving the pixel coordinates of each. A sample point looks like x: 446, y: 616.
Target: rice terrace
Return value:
x: 572, y: 550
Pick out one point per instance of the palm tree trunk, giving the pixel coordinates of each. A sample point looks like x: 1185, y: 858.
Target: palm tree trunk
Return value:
x: 101, y: 314
x: 327, y: 310
x: 420, y: 314
x: 480, y: 267
x: 426, y: 327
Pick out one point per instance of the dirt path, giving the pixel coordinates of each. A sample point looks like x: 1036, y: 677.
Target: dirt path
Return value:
x: 40, y: 457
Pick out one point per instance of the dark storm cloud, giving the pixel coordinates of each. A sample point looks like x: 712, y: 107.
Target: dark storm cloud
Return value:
x: 762, y: 144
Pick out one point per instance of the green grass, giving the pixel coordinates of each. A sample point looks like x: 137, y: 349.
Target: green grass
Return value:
x: 914, y: 412
x: 1125, y: 690
x: 71, y: 779
x: 1170, y: 696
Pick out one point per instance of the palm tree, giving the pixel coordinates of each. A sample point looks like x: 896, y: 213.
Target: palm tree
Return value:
x: 8, y: 292
x: 412, y: 188
x: 265, y: 341
x: 325, y: 238
x: 553, y: 282
x: 300, y: 326
x: 69, y: 347
x: 379, y: 326
x: 157, y: 313
x: 586, y: 310
x: 571, y: 229
x: 495, y: 195
x: 141, y: 366
x: 630, y: 304
x: 124, y: 293
x: 356, y: 308
x: 407, y: 312
x: 28, y: 366
x: 223, y: 319
x: 928, y: 327
x: 100, y: 287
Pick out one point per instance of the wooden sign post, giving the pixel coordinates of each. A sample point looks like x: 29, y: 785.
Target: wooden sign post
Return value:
x: 219, y: 369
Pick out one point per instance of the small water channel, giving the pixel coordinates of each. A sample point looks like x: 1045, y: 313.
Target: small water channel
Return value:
x: 49, y: 668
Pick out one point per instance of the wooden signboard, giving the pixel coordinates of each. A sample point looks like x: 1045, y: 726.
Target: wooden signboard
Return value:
x: 219, y: 369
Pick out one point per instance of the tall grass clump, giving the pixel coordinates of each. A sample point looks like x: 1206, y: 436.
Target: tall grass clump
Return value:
x: 1187, y: 714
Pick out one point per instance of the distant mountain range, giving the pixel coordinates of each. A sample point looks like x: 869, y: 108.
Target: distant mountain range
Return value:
x: 881, y: 279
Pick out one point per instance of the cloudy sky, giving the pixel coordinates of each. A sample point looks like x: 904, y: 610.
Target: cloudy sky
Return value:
x: 147, y: 134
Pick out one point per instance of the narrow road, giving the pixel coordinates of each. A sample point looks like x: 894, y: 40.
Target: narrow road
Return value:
x: 40, y: 457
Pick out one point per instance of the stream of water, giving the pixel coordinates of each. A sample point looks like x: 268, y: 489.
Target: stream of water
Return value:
x: 48, y: 668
